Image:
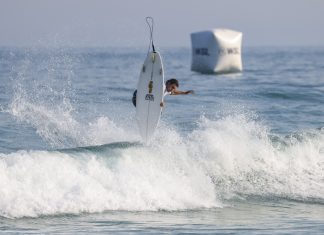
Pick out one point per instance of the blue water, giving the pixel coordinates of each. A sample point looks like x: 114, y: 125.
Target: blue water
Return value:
x: 243, y: 155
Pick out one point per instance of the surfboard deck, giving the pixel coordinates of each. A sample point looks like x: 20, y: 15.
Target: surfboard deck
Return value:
x: 150, y: 91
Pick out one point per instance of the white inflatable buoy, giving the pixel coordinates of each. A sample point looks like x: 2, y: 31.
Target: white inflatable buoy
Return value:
x: 216, y: 51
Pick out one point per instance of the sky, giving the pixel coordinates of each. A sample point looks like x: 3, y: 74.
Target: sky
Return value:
x: 121, y: 23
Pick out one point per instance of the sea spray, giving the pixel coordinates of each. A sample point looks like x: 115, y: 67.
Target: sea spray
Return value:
x: 242, y: 159
x: 44, y: 98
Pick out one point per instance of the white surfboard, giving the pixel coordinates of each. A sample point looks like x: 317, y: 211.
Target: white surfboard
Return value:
x: 150, y: 91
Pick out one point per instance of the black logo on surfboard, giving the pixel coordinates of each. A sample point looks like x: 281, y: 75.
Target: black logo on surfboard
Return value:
x: 149, y: 97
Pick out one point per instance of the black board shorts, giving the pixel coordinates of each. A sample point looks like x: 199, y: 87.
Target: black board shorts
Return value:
x: 134, y: 98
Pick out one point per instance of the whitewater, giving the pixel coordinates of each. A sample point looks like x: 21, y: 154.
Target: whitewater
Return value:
x: 245, y: 154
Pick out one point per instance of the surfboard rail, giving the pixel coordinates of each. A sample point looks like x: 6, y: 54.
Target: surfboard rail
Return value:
x: 150, y: 89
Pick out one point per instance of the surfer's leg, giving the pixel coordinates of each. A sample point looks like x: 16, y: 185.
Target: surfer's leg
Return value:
x: 134, y: 98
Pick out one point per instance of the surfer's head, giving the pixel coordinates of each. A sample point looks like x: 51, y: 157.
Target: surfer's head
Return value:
x: 171, y: 84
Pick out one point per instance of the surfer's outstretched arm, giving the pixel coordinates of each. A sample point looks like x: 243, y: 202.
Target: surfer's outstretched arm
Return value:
x: 176, y: 92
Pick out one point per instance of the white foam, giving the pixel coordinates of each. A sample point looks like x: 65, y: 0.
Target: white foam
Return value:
x: 39, y: 182
x: 219, y: 160
x: 241, y: 159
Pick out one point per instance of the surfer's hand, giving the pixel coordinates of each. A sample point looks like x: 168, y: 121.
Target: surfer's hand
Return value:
x: 162, y: 104
x: 190, y: 92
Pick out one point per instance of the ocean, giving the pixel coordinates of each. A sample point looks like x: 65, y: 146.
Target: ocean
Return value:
x: 243, y: 155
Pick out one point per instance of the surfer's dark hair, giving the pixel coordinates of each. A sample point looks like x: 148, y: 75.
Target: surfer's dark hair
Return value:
x: 172, y: 81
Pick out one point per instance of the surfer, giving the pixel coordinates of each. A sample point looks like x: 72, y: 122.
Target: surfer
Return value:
x: 171, y: 88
